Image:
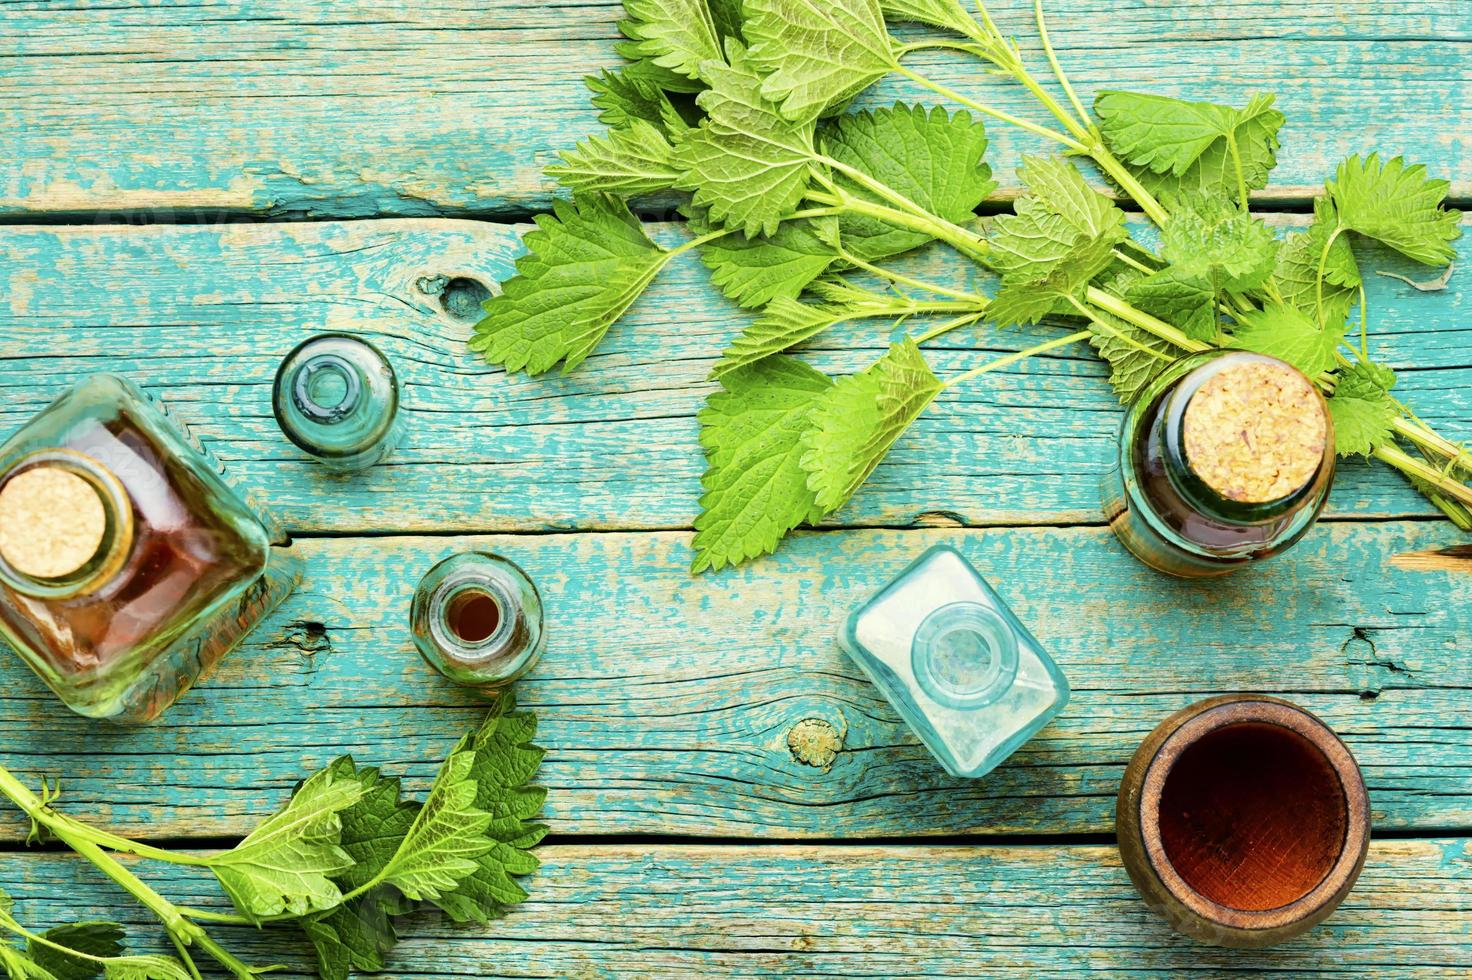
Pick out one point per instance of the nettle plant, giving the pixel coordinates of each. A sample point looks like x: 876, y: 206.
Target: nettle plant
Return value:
x: 795, y: 204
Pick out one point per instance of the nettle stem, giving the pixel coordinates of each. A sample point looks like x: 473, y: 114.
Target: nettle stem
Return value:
x: 80, y: 838
x: 1021, y: 355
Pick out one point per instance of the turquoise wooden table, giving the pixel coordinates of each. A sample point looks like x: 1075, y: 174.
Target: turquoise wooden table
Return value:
x: 188, y: 190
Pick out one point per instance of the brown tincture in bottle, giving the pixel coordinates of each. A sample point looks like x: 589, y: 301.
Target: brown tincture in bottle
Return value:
x: 1225, y: 458
x: 127, y: 566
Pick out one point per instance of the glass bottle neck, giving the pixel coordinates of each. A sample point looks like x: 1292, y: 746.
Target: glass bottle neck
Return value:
x: 66, y: 525
x: 1167, y: 441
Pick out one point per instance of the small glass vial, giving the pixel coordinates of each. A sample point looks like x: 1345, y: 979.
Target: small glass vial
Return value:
x: 956, y: 664
x: 477, y: 619
x: 128, y: 567
x: 1223, y: 459
x: 337, y: 398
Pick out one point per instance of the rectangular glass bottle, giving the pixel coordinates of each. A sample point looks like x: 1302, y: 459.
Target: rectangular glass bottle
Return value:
x: 958, y: 666
x: 128, y: 566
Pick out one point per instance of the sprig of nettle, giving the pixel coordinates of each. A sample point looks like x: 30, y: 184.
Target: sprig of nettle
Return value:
x: 793, y: 203
x: 340, y: 862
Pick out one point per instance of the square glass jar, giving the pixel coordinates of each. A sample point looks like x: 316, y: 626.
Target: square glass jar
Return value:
x: 128, y: 565
x: 955, y: 662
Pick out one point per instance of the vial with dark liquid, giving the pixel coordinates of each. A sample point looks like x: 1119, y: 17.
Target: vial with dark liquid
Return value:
x: 128, y: 567
x: 337, y: 398
x: 477, y: 619
x: 1223, y: 459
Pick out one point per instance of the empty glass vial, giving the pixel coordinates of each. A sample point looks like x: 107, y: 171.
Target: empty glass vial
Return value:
x: 337, y: 398
x: 128, y: 567
x: 956, y: 664
x: 1223, y: 459
x: 477, y: 619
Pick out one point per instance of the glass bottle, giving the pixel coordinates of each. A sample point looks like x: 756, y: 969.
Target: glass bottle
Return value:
x: 955, y: 662
x: 477, y: 619
x: 128, y: 567
x: 1225, y: 458
x: 337, y: 398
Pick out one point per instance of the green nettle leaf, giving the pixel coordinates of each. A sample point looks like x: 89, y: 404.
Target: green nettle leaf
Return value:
x: 746, y: 163
x: 448, y: 835
x: 1164, y: 134
x: 1398, y: 205
x: 949, y: 14
x: 1060, y: 237
x: 727, y: 15
x: 19, y: 966
x: 756, y: 271
x: 933, y: 158
x: 626, y: 99
x: 817, y: 54
x: 755, y: 487
x: 1296, y: 276
x: 356, y: 936
x: 102, y: 939
x: 857, y: 421
x: 585, y: 265
x: 505, y: 761
x: 675, y: 34
x: 1179, y: 147
x: 1184, y: 301
x: 146, y: 968
x: 1289, y: 335
x: 1210, y: 239
x: 1362, y: 409
x: 630, y: 161
x: 1134, y: 356
x: 286, y: 864
x: 785, y: 323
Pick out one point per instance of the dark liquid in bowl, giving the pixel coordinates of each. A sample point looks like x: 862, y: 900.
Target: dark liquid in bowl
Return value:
x: 1253, y: 816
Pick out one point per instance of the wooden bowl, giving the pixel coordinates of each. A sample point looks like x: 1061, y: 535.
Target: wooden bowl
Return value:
x: 1243, y: 820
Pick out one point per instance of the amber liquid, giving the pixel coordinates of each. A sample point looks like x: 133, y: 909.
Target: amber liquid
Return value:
x: 183, y: 559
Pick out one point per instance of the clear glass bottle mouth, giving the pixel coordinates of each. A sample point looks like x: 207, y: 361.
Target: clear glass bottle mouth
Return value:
x: 477, y: 619
x: 114, y: 539
x: 337, y: 398
x: 964, y: 655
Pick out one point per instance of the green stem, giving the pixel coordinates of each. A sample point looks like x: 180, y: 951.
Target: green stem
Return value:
x: 182, y: 931
x: 878, y: 187
x: 1237, y: 163
x: 1127, y: 181
x: 1031, y: 127
x: 1152, y: 325
x: 1408, y: 464
x: 948, y: 326
x: 1022, y: 355
x: 1058, y: 73
x: 1364, y: 325
x: 1132, y: 262
x: 968, y: 243
x: 905, y: 280
x: 1319, y: 281
x: 188, y: 960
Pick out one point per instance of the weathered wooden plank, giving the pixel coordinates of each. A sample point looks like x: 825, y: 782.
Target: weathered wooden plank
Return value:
x: 896, y: 911
x: 357, y: 109
x: 667, y: 702
x: 201, y: 316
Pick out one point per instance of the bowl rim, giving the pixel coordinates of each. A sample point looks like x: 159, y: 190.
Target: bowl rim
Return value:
x: 1341, y: 875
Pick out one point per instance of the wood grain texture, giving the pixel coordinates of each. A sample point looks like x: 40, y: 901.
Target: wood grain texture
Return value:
x: 667, y: 702
x: 883, y: 912
x: 201, y: 315
x: 356, y: 109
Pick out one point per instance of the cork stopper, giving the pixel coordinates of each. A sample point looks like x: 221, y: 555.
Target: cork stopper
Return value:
x: 1255, y: 432
x: 52, y: 522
